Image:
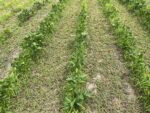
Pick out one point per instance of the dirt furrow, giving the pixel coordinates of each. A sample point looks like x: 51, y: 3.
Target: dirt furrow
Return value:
x: 11, y: 47
x: 42, y: 93
x: 108, y: 76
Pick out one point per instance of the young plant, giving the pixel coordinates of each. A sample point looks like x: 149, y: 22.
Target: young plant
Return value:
x: 37, y: 5
x: 25, y: 15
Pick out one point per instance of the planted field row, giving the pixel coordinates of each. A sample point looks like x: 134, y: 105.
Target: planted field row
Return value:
x: 22, y: 17
x: 141, y: 34
x: 31, y: 49
x: 42, y: 77
x: 141, y: 9
x: 108, y: 77
x: 19, y: 7
x: 10, y: 44
x: 49, y: 71
x: 8, y: 4
x: 27, y: 13
x: 74, y: 94
x: 139, y: 71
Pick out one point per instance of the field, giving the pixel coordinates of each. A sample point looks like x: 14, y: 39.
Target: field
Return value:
x: 74, y: 56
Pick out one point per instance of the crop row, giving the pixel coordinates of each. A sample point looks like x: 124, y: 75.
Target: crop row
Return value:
x: 74, y: 94
x: 7, y: 15
x: 27, y: 13
x: 140, y: 73
x: 31, y: 49
x: 6, y: 33
x: 11, y: 3
x: 24, y: 15
x: 140, y: 8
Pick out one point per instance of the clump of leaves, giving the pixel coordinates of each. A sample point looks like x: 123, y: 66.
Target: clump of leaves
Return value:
x: 37, y: 5
x: 45, y: 1
x: 32, y: 47
x: 25, y: 15
x: 47, y: 26
x: 34, y: 42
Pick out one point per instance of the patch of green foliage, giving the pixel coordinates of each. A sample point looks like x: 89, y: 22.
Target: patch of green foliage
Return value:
x: 135, y: 61
x: 74, y: 95
x: 37, y: 6
x: 140, y: 8
x: 7, y: 15
x: 8, y: 4
x: 27, y: 13
x: 21, y: 6
x: 31, y: 48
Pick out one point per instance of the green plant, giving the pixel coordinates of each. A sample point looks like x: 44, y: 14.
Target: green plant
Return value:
x: 21, y: 66
x: 25, y: 15
x: 135, y: 61
x: 74, y: 95
x: 34, y: 42
x: 140, y: 8
x: 7, y: 15
x: 45, y: 1
x: 9, y: 4
x: 37, y: 6
x: 19, y: 7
